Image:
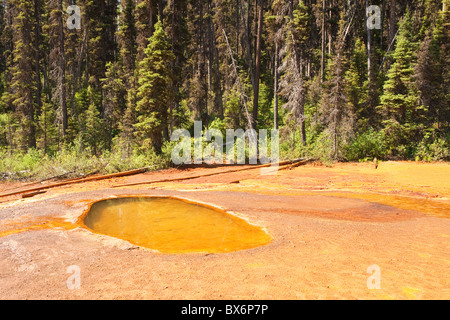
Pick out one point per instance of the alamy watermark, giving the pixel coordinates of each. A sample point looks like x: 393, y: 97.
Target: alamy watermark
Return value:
x: 374, y: 281
x: 74, y: 20
x: 373, y: 14
x: 73, y: 282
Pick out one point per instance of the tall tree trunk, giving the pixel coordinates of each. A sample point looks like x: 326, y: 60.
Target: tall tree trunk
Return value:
x: 383, y: 7
x: 369, y: 49
x: 22, y: 71
x: 257, y: 64
x: 240, y: 87
x: 161, y: 10
x: 275, y: 89
x: 62, y: 71
x: 392, y: 21
x: 248, y: 51
x: 37, y: 61
x: 238, y: 19
x: 322, y: 57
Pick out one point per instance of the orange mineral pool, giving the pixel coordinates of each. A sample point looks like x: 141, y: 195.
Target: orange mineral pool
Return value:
x: 172, y: 225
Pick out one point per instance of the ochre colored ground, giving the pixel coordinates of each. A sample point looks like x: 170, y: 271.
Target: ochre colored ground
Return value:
x: 328, y: 224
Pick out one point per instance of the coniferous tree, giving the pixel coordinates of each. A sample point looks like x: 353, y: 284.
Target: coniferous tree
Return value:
x: 114, y: 101
x: 257, y: 76
x: 292, y: 83
x: 118, y: 81
x: 400, y: 111
x: 57, y: 58
x: 337, y: 115
x: 23, y: 85
x: 198, y: 81
x: 432, y: 72
x: 146, y: 13
x: 48, y: 129
x: 154, y: 91
x: 127, y: 38
x: 126, y: 126
x: 178, y: 36
x: 357, y: 86
x: 100, y: 18
x: 93, y: 134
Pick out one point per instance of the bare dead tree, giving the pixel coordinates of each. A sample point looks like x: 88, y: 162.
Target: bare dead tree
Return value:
x: 234, y: 72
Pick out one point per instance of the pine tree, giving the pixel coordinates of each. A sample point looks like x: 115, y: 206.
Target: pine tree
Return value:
x: 127, y: 38
x: 292, y: 83
x: 100, y: 16
x: 114, y: 100
x: 126, y: 126
x: 93, y: 134
x: 357, y: 85
x: 23, y: 73
x: 399, y: 108
x: 119, y: 87
x: 6, y: 59
x: 155, y: 90
x: 145, y: 17
x: 48, y: 129
x: 258, y: 64
x: 198, y: 80
x: 178, y: 37
x: 337, y: 115
x: 432, y: 73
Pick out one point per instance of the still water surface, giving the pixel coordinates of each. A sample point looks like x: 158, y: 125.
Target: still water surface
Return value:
x: 173, y: 226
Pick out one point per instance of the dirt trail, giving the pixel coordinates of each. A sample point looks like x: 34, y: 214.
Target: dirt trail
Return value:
x: 329, y: 225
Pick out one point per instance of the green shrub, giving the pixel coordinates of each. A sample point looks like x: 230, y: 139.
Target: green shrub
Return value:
x: 366, y: 145
x: 72, y: 161
x: 433, y: 147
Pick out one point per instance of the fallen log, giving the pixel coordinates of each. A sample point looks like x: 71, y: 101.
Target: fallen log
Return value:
x: 284, y: 167
x: 45, y: 180
x: 32, y: 194
x: 77, y: 180
x: 286, y: 163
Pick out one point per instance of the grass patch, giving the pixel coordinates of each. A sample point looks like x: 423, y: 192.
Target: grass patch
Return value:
x: 70, y: 162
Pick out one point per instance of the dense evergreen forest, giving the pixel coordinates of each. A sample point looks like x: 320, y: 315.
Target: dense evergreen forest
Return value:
x: 116, y: 88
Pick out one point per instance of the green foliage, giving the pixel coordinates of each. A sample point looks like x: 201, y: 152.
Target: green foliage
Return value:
x: 72, y: 161
x: 8, y: 125
x: 92, y: 131
x: 265, y: 102
x: 93, y: 135
x: 322, y: 148
x: 154, y: 93
x: 128, y: 80
x: 219, y: 124
x: 234, y: 117
x: 357, y: 83
x: 300, y: 22
x: 433, y: 147
x: 368, y: 144
x: 403, y: 116
x: 182, y: 115
x: 19, y: 165
x: 48, y: 131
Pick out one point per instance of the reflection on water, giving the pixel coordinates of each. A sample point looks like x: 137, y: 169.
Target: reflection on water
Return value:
x: 173, y: 226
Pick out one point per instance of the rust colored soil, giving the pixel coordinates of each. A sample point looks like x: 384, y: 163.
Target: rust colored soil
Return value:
x: 328, y: 224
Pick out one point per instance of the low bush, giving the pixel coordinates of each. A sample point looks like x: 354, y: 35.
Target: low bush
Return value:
x: 367, y: 145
